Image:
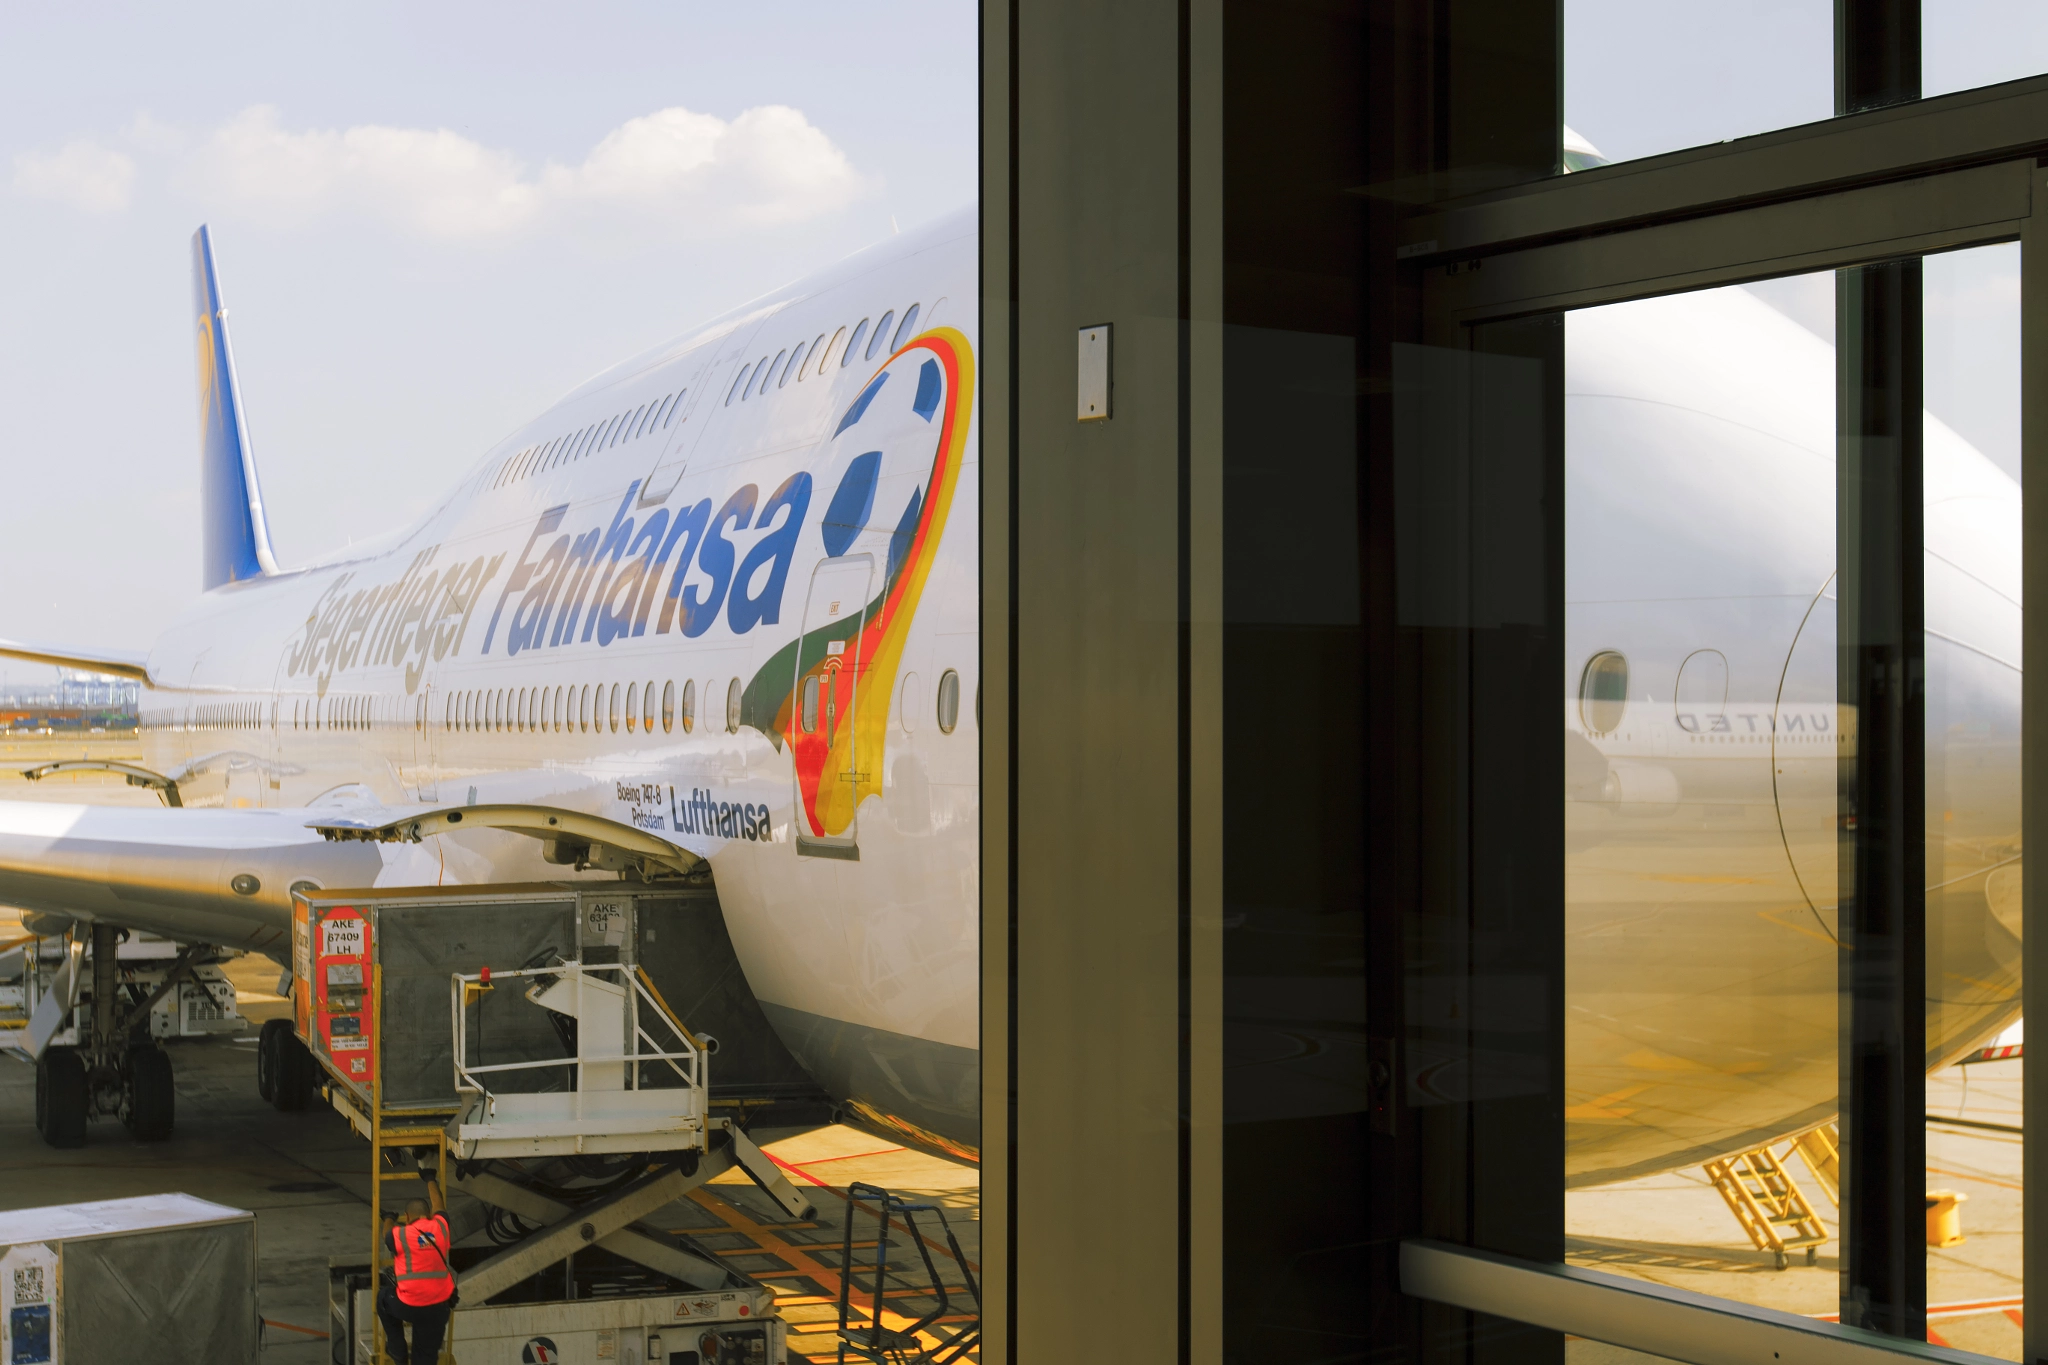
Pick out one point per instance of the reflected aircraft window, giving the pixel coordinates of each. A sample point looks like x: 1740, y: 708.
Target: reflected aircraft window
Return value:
x: 668, y: 706
x: 769, y: 373
x: 615, y: 708
x: 1603, y: 692
x: 907, y: 330
x: 949, y: 701
x: 881, y: 332
x: 689, y: 705
x: 853, y: 345
x: 815, y: 344
x: 1702, y: 689
x: 909, y: 702
x: 732, y: 707
x: 811, y: 705
x: 632, y: 706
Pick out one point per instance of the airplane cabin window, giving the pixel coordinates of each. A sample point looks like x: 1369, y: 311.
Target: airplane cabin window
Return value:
x: 614, y: 709
x: 558, y: 710
x: 769, y: 373
x: 732, y: 707
x: 853, y: 346
x: 647, y: 707
x: 881, y: 333
x: 907, y: 329
x: 949, y: 701
x: 815, y: 344
x: 673, y: 407
x: 825, y: 356
x: 795, y: 366
x: 761, y: 373
x: 739, y: 384
x: 626, y: 425
x: 632, y: 706
x: 668, y: 706
x: 1603, y: 692
x: 811, y: 705
x: 689, y: 705
x: 583, y: 710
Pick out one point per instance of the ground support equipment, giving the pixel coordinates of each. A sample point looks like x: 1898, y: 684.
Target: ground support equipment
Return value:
x: 1758, y: 1187
x: 510, y: 1041
x: 935, y: 1337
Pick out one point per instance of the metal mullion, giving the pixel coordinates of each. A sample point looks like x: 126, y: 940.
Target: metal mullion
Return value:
x: 1973, y: 127
x: 2034, y: 743
x: 1976, y: 206
x: 1881, y: 680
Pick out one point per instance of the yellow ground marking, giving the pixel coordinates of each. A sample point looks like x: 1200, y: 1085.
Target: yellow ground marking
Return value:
x: 1604, y: 1106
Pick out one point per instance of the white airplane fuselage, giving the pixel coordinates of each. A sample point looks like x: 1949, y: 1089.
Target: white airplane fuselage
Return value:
x: 605, y: 617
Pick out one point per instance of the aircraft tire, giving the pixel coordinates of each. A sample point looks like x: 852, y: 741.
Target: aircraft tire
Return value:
x: 295, y: 1076
x: 152, y: 1098
x: 269, y: 1049
x: 61, y: 1097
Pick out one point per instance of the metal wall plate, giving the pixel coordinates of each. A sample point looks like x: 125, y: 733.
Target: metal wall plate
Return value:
x: 1092, y: 398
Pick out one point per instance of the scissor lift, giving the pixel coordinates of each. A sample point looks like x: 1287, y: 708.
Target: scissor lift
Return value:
x: 508, y: 1040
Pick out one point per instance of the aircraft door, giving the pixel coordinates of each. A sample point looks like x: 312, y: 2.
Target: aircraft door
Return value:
x: 824, y: 721
x: 425, y: 772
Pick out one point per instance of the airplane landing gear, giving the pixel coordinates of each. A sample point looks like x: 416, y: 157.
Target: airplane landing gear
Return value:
x: 116, y: 1070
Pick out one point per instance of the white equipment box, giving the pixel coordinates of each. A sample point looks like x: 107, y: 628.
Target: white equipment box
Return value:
x: 83, y: 1283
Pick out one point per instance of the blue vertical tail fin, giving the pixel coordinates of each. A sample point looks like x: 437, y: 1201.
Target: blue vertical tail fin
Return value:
x: 235, y: 542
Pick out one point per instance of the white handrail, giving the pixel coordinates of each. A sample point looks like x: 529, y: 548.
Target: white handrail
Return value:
x: 691, y: 1056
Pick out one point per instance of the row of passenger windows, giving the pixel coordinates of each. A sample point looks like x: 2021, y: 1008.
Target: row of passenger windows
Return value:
x: 632, y: 707
x: 805, y: 359
x: 222, y: 716
x: 586, y: 708
x: 628, y: 705
x: 626, y: 426
x: 337, y: 711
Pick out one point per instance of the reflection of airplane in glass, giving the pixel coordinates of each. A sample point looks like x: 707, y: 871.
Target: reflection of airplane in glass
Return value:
x: 716, y: 608
x: 1702, y: 734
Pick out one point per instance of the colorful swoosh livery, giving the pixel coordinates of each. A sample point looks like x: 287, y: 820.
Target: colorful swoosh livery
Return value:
x: 829, y: 690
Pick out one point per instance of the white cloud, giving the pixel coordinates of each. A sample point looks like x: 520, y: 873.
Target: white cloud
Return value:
x: 682, y: 171
x: 81, y: 173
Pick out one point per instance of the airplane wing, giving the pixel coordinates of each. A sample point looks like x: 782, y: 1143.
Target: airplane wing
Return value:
x: 225, y: 876
x: 118, y: 663
x: 197, y: 876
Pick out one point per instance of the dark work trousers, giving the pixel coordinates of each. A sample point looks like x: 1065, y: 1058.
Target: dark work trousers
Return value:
x: 429, y: 1325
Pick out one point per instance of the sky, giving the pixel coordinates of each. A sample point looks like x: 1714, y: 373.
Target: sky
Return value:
x: 430, y: 221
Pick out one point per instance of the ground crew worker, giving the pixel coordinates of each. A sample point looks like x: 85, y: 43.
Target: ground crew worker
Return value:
x: 423, y: 1292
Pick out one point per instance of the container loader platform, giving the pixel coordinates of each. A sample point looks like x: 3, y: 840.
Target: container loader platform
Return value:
x: 512, y: 1042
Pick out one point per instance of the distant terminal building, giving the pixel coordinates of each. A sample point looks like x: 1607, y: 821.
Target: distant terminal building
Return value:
x: 78, y: 703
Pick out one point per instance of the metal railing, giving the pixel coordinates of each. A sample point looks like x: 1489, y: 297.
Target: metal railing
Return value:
x: 642, y: 1004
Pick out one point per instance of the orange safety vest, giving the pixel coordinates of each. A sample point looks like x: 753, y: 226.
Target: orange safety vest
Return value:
x: 420, y: 1250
